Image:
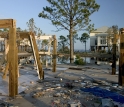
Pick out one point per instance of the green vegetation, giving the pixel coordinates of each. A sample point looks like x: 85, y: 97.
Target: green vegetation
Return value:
x: 44, y: 44
x: 70, y: 15
x: 111, y: 32
x: 79, y: 60
x: 84, y: 37
x: 102, y: 51
x: 63, y: 43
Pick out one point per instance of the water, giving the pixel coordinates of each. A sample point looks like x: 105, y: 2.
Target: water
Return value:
x: 89, y: 60
x: 66, y: 60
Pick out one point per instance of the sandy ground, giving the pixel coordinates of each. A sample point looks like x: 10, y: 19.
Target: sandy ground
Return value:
x: 40, y: 93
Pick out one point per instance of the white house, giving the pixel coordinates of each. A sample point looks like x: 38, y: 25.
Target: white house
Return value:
x: 98, y: 39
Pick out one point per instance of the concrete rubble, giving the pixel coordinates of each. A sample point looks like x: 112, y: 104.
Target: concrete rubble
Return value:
x: 58, y: 91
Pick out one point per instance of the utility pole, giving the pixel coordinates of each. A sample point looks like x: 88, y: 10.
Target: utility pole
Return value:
x: 121, y: 58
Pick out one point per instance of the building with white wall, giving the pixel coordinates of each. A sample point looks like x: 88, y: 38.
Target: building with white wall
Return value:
x: 99, y: 39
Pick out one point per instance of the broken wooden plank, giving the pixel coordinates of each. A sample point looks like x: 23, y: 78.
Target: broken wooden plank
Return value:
x: 6, y: 71
x: 36, y: 56
x: 24, y: 35
x: 12, y: 60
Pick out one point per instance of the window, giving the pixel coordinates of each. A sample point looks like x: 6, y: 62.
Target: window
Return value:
x: 101, y: 41
x: 104, y: 41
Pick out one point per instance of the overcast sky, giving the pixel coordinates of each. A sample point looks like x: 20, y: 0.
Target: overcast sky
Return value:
x: 111, y: 12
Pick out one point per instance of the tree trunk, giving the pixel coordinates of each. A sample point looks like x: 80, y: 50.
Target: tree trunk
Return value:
x: 71, y: 46
x: 71, y: 39
x: 63, y: 47
x: 85, y: 52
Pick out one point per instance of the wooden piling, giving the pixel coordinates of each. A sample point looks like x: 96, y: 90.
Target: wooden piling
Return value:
x: 12, y: 56
x: 36, y: 56
x: 13, y: 60
x: 121, y: 58
x: 114, y: 55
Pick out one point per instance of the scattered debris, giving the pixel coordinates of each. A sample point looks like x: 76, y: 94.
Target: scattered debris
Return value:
x: 75, y: 68
x: 107, y: 103
x: 68, y: 93
x: 31, y: 82
x: 69, y: 85
x: 37, y: 94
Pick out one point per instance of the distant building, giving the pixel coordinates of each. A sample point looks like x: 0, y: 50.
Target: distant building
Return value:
x: 98, y: 39
x: 26, y: 45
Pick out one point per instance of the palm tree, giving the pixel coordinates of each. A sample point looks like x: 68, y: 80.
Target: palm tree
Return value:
x: 84, y: 37
x: 63, y: 41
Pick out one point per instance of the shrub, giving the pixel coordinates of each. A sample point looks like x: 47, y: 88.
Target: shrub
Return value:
x: 79, y: 60
x: 102, y: 51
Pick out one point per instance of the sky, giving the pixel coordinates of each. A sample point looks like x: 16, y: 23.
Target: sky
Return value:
x: 111, y: 12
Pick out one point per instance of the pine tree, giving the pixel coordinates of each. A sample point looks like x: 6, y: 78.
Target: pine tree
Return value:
x: 71, y: 15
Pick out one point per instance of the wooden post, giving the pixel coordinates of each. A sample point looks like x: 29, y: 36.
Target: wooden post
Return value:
x: 5, y: 71
x: 12, y: 56
x: 36, y: 56
x: 50, y: 59
x: 6, y: 48
x: 114, y: 55
x: 17, y: 70
x: 13, y: 61
x: 54, y: 53
x: 121, y: 58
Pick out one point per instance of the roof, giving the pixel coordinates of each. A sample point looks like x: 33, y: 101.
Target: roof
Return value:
x: 101, y: 29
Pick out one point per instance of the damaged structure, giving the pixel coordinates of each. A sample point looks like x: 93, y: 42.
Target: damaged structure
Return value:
x: 12, y: 39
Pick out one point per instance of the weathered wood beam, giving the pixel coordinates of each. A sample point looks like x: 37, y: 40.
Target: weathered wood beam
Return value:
x: 36, y: 56
x: 16, y: 70
x: 7, y: 23
x: 12, y: 60
x: 114, y: 55
x: 6, y: 58
x: 13, y: 67
x: 21, y: 34
x: 24, y: 35
x: 121, y: 58
x: 6, y: 71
